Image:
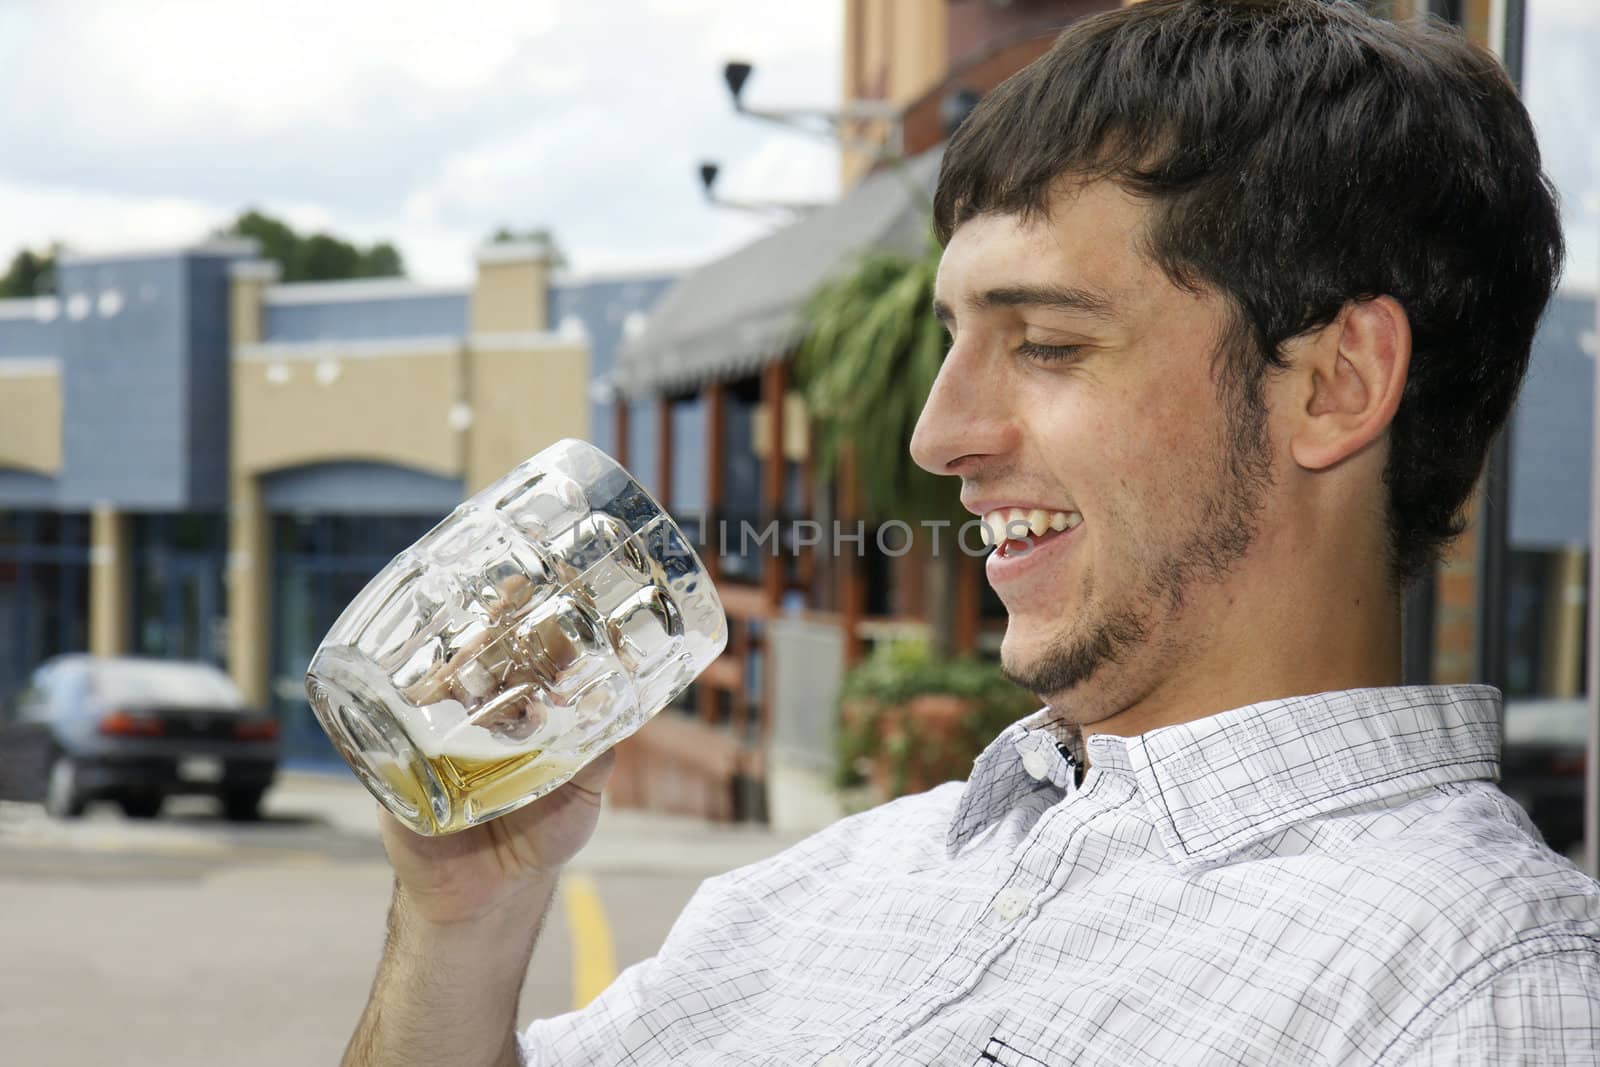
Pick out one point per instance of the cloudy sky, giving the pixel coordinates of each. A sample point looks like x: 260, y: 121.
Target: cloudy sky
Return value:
x: 1561, y: 85
x: 142, y: 122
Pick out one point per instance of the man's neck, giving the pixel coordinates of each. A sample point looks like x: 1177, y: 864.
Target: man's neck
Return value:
x: 1264, y: 644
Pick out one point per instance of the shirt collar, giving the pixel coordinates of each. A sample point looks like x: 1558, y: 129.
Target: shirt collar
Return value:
x: 1003, y: 774
x: 1220, y: 783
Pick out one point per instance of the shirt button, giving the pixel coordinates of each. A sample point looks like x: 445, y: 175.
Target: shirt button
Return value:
x: 1036, y: 763
x: 834, y: 1060
x: 1010, y: 904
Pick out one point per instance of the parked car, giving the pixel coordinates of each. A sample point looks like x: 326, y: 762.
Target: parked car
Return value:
x: 136, y: 731
x: 1542, y: 765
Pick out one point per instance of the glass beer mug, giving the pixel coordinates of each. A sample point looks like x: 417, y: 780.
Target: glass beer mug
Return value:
x: 544, y: 620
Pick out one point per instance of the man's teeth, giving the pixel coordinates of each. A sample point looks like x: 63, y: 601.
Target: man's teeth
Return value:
x: 1015, y: 524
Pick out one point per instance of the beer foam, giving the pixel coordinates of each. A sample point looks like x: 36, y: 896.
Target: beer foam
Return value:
x: 443, y: 729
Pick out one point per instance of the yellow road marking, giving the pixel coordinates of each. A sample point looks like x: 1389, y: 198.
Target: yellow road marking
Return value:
x: 594, y: 964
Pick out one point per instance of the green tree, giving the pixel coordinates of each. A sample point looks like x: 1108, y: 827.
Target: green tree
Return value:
x: 322, y: 256
x: 866, y: 364
x: 314, y: 257
x: 382, y: 260
x: 31, y: 273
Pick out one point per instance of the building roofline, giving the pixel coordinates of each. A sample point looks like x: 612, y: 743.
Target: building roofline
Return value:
x: 242, y: 247
x: 29, y: 366
x: 574, y: 279
x: 334, y: 292
x: 358, y: 348
x: 512, y: 252
x: 256, y: 270
x: 33, y: 308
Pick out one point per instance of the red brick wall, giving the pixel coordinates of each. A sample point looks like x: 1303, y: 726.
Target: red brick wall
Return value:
x: 993, y: 43
x: 976, y: 26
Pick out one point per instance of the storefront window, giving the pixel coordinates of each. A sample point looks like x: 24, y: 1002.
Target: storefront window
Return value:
x: 44, y: 590
x: 179, y: 591
x: 319, y: 565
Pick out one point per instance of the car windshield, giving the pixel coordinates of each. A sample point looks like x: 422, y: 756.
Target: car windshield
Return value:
x: 153, y: 682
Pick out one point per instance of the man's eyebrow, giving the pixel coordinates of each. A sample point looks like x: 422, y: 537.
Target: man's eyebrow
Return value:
x: 1054, y: 297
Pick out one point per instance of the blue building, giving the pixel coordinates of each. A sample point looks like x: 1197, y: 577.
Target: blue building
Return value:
x: 197, y: 461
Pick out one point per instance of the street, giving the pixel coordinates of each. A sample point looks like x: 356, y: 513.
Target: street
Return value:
x: 189, y: 940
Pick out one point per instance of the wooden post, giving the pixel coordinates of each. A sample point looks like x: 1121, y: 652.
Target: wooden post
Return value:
x: 774, y: 570
x: 969, y: 603
x: 808, y: 488
x: 739, y: 647
x: 619, y: 429
x: 714, y: 397
x: 774, y: 382
x: 852, y: 590
x: 716, y: 400
x: 664, y: 451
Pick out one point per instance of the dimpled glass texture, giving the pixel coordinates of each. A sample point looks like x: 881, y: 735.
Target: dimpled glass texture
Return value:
x: 544, y: 620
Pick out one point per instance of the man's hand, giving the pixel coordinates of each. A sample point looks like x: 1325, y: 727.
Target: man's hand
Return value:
x: 470, y: 874
x: 467, y: 911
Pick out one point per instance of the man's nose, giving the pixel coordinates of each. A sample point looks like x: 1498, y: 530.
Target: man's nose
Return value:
x: 964, y: 418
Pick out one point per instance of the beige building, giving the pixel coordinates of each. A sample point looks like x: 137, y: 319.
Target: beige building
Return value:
x: 200, y: 462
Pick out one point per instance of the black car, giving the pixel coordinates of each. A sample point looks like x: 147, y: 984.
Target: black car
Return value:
x: 136, y: 731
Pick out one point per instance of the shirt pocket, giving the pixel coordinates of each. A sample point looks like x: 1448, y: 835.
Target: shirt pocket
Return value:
x: 1001, y: 1052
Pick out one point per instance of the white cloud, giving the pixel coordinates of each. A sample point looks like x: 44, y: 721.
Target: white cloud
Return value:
x: 1561, y: 85
x: 264, y: 67
x: 426, y: 124
x: 34, y: 216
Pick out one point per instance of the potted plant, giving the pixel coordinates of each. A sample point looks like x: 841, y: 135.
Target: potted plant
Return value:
x: 910, y: 720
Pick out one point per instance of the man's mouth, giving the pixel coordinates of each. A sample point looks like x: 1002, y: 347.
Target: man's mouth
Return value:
x: 1016, y: 530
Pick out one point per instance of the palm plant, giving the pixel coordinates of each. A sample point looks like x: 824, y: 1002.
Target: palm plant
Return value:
x: 866, y: 364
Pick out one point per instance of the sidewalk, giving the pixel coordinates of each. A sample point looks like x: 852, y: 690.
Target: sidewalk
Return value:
x: 626, y: 841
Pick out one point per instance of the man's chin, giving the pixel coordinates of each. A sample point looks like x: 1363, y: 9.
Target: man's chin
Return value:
x: 1025, y: 659
x: 1053, y: 665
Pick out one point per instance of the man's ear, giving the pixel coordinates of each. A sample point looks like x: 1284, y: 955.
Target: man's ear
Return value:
x: 1347, y: 381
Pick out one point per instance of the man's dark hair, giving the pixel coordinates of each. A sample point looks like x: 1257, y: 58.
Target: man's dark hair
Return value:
x: 1300, y: 155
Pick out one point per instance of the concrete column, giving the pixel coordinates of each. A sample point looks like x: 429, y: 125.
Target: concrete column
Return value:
x: 249, y: 547
x: 249, y: 593
x: 108, y: 581
x: 511, y: 294
x: 249, y: 280
x: 1564, y: 603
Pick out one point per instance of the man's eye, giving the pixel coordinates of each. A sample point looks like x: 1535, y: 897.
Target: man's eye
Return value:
x: 1048, y: 353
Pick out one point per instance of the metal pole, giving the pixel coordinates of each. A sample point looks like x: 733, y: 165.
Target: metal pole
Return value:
x: 1494, y: 514
x: 1416, y: 630
x: 1591, y: 776
x: 1493, y: 555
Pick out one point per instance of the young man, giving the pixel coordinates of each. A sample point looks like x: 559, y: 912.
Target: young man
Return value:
x: 1239, y: 292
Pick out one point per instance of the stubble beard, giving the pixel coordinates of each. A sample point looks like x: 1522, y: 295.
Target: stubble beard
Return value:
x: 1226, y: 529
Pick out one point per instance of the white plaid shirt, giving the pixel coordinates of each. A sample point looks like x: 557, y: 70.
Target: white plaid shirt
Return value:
x: 1328, y: 879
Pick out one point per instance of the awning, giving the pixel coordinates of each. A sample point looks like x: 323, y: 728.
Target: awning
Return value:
x: 735, y: 314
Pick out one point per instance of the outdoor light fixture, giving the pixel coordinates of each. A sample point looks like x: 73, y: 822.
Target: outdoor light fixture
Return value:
x: 821, y: 122
x: 708, y: 179
x: 818, y: 122
x: 736, y: 74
